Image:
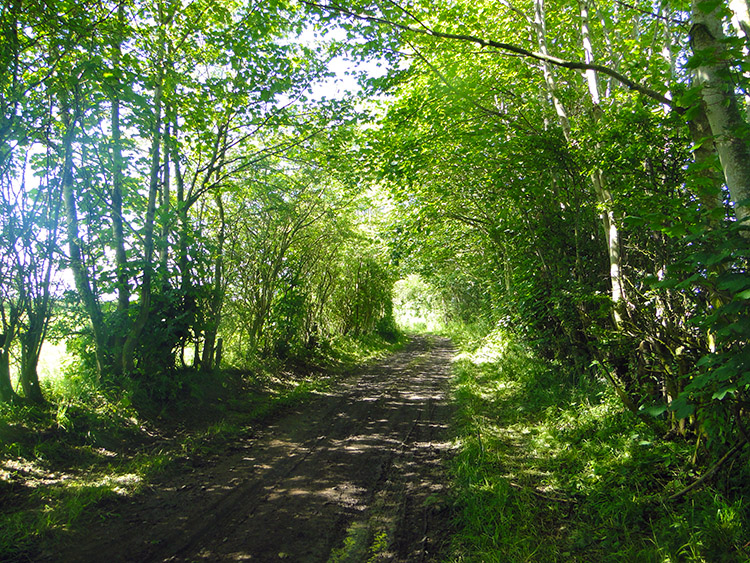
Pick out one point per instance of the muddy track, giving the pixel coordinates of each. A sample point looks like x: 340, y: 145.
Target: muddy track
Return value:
x: 355, y: 474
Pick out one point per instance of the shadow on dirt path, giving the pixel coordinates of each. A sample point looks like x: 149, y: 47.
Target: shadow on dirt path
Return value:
x: 355, y: 474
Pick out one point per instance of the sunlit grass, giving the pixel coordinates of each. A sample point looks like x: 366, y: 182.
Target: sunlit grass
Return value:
x: 548, y: 471
x: 351, y: 351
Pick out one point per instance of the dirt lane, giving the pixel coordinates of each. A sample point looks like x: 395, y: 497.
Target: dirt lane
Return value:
x: 356, y: 474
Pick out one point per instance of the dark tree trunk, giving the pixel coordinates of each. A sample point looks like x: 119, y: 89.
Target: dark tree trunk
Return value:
x: 121, y: 260
x: 7, y: 395
x: 217, y: 297
x: 144, y: 309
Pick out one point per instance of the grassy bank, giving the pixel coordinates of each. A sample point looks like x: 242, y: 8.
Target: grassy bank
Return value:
x: 552, y: 468
x: 66, y: 463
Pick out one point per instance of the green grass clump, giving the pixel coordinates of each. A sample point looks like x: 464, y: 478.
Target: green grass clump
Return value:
x: 348, y: 351
x: 548, y: 471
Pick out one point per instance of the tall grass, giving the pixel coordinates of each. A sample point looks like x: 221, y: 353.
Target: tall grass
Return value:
x: 550, y: 471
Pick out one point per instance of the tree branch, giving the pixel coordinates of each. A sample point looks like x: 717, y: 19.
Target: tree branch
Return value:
x: 710, y: 472
x: 507, y: 47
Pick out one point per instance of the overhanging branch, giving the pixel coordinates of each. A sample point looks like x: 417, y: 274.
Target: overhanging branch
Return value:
x: 507, y: 47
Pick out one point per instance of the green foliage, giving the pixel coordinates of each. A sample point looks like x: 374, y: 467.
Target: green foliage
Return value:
x: 417, y: 305
x: 303, y: 270
x: 716, y: 388
x: 387, y: 329
x: 506, y: 204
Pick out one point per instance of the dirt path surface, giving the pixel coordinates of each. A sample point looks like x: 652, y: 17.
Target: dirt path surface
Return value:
x: 355, y: 474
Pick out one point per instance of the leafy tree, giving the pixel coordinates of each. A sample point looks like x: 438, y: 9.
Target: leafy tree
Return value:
x: 570, y: 163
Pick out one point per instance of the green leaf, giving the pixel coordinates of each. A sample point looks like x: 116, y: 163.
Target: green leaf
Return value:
x: 723, y: 373
x: 735, y: 282
x: 676, y: 231
x: 655, y: 410
x: 708, y: 6
x: 721, y: 393
x: 684, y: 411
x: 681, y: 408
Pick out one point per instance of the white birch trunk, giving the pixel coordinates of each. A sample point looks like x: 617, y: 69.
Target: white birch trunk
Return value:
x: 598, y: 179
x: 741, y: 24
x: 722, y: 109
x: 549, y: 78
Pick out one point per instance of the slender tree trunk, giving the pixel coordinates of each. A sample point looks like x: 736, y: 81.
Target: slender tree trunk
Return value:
x: 118, y: 238
x: 7, y: 394
x: 741, y: 24
x: 217, y: 297
x: 31, y: 339
x: 540, y: 26
x: 588, y: 52
x: 599, y: 181
x: 183, y: 232
x: 612, y: 56
x: 741, y: 17
x: 75, y: 256
x: 722, y: 108
x: 31, y: 346
x: 708, y: 179
x: 165, y: 203
x: 144, y: 308
x: 38, y: 316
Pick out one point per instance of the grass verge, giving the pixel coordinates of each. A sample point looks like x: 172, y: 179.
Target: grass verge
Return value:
x: 550, y: 471
x: 66, y: 463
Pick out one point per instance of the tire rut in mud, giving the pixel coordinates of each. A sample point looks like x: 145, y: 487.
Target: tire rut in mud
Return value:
x: 355, y: 474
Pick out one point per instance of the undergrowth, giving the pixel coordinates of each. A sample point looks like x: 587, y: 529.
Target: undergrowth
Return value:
x: 552, y: 471
x: 60, y: 462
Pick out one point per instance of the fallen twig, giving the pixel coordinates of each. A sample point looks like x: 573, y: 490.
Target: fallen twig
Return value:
x: 708, y: 474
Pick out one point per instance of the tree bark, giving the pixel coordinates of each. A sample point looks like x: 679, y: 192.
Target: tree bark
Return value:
x: 31, y: 346
x: 599, y: 181
x: 165, y: 203
x: 549, y: 78
x: 741, y: 23
x: 7, y: 394
x: 708, y: 179
x: 722, y: 108
x: 38, y: 315
x: 121, y: 260
x: 217, y: 296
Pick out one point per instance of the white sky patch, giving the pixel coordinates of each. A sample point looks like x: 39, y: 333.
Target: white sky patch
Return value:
x: 344, y: 81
